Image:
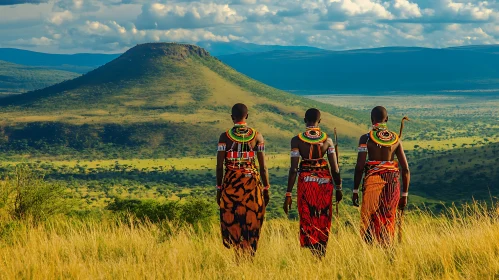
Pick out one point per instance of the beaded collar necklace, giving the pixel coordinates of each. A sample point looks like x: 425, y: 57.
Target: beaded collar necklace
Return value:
x: 241, y: 133
x: 382, y: 136
x: 313, y: 135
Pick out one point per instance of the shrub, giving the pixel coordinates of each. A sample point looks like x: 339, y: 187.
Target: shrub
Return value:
x: 26, y: 195
x: 194, y: 211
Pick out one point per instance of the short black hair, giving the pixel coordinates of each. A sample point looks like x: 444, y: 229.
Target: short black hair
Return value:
x: 239, y: 111
x: 379, y: 114
x: 312, y: 115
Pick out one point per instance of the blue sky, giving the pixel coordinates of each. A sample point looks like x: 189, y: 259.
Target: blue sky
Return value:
x: 69, y: 26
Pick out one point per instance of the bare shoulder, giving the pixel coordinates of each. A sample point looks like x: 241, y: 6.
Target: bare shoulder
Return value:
x: 223, y: 138
x: 259, y: 137
x: 363, y: 139
x: 295, y: 140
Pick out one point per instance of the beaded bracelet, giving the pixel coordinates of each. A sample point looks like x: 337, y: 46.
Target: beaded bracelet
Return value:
x: 219, y: 187
x: 356, y: 191
x: 339, y: 188
x: 289, y: 194
x: 266, y: 188
x: 405, y: 194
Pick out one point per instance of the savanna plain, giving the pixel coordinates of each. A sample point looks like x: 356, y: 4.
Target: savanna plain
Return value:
x: 84, y: 218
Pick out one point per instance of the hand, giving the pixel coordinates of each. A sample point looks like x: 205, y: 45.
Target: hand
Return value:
x: 287, y: 204
x: 266, y: 197
x: 339, y: 195
x: 402, y: 202
x: 355, y: 199
x: 219, y: 197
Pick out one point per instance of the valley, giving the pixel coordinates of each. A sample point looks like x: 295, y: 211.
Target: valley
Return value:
x: 149, y: 132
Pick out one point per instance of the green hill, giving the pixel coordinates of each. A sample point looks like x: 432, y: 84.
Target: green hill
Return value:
x: 156, y: 99
x: 457, y: 174
x: 15, y: 78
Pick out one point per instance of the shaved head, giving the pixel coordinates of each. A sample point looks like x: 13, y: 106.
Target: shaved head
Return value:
x: 379, y: 114
x: 312, y: 115
x: 239, y: 112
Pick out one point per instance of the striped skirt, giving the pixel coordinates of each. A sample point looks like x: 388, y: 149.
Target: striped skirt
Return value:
x: 381, y: 195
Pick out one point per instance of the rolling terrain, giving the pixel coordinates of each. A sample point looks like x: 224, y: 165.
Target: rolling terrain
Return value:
x: 171, y: 99
x: 223, y: 48
x: 78, y: 63
x: 16, y: 78
x: 396, y: 69
x: 85, y: 62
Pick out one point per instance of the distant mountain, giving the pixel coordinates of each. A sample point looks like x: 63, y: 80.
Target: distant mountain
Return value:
x: 167, y: 99
x: 79, y: 63
x: 479, y: 48
x: 85, y: 62
x: 225, y: 48
x: 374, y: 70
x: 16, y: 78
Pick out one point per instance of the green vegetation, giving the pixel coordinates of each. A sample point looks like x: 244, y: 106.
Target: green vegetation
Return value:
x: 156, y: 100
x: 143, y: 128
x: 15, y: 78
x: 451, y: 141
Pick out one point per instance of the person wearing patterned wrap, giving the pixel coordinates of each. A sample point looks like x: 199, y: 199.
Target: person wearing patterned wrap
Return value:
x: 381, y: 187
x: 243, y: 192
x: 315, y: 186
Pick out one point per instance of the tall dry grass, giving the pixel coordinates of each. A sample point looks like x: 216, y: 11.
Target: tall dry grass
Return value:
x: 465, y: 244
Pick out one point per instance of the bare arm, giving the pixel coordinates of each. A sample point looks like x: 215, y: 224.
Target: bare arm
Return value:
x: 293, y: 171
x: 264, y: 173
x: 295, y: 160
x: 333, y: 163
x: 361, y: 162
x: 335, y: 169
x: 220, y: 159
x: 404, y: 166
x: 220, y: 165
x: 359, y: 169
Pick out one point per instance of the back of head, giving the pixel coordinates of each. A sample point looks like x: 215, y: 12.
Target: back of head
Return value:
x: 312, y: 115
x: 379, y: 114
x: 239, y: 112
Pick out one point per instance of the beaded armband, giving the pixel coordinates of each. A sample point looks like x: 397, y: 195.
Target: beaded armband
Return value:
x: 289, y: 194
x: 295, y: 153
x: 222, y: 147
x: 363, y: 148
x: 331, y: 150
x: 260, y: 148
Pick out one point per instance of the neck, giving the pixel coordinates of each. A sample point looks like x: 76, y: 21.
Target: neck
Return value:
x: 380, y: 125
x: 240, y: 123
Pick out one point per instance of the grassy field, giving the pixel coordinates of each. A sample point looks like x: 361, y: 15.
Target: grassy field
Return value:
x: 16, y: 79
x: 461, y: 245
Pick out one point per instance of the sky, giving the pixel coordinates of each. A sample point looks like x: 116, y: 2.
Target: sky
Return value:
x: 111, y: 26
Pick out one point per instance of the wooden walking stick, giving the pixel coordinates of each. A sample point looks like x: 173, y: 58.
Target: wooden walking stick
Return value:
x: 402, y: 125
x: 401, y: 211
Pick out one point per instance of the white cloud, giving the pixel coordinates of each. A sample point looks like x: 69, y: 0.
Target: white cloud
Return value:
x: 186, y: 15
x: 406, y: 9
x: 58, y: 18
x: 115, y: 25
x: 33, y: 42
x: 354, y: 8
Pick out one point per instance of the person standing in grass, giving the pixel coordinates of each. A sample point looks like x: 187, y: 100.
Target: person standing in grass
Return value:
x: 381, y: 187
x: 243, y: 193
x: 315, y: 183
